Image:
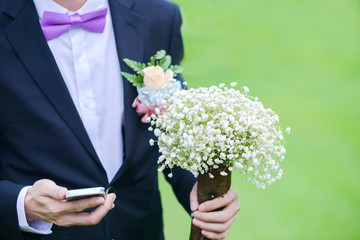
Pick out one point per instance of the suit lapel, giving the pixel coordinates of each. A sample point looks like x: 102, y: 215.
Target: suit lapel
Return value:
x: 129, y: 36
x: 26, y: 37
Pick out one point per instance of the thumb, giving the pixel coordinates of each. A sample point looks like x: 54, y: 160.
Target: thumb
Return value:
x: 50, y: 189
x: 194, y: 204
x: 59, y: 193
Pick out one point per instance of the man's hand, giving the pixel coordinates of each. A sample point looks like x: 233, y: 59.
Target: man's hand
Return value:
x: 46, y: 201
x: 215, y: 225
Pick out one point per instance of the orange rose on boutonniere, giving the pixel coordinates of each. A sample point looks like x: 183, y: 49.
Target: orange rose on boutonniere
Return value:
x: 155, y: 77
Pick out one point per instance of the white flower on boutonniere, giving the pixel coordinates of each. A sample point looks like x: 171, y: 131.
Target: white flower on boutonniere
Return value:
x: 155, y: 82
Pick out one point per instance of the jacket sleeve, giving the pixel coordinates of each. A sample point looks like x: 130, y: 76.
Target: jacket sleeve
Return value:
x: 176, y: 48
x: 9, y: 226
x: 182, y: 181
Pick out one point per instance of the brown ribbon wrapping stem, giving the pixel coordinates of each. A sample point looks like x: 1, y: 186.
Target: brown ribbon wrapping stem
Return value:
x: 208, y: 189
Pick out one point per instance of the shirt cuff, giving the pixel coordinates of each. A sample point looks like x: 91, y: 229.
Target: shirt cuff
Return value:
x: 37, y: 226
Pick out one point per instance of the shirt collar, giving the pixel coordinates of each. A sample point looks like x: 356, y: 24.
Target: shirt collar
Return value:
x: 50, y: 5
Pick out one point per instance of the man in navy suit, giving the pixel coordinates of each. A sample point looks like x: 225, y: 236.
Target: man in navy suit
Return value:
x: 66, y: 122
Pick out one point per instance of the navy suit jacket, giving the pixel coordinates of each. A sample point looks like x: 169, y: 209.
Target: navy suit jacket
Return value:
x: 42, y: 135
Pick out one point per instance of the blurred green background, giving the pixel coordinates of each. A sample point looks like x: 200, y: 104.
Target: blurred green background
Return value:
x: 302, y: 59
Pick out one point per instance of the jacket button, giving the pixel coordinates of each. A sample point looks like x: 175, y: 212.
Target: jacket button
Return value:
x: 110, y: 189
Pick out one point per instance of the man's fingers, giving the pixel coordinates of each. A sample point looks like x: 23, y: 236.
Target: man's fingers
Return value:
x: 215, y: 224
x: 51, y: 210
x: 219, y: 202
x: 101, y: 211
x: 214, y: 235
x: 193, y: 198
x: 87, y: 218
x: 82, y: 204
x: 214, y: 227
x: 219, y: 216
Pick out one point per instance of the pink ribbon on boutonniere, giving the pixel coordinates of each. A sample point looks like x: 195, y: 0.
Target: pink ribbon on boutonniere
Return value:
x: 141, y: 108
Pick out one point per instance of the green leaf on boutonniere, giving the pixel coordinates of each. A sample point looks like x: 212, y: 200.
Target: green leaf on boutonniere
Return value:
x: 136, y: 66
x: 176, y: 69
x: 160, y: 54
x: 165, y: 62
x: 136, y: 80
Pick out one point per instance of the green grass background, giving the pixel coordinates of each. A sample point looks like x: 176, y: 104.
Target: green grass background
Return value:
x: 302, y: 59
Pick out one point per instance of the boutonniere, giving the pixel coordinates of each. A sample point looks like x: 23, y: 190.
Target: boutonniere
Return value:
x: 155, y: 82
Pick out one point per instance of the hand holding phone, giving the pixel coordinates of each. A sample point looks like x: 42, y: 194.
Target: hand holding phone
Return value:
x: 45, y: 201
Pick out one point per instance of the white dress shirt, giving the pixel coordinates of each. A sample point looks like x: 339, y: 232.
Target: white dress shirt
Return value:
x: 90, y: 67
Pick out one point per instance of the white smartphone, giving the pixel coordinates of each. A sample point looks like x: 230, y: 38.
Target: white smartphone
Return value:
x: 76, y: 194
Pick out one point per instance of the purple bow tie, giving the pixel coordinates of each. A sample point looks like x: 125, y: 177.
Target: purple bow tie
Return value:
x: 54, y: 24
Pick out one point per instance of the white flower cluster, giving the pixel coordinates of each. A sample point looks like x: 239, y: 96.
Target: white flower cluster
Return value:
x: 207, y: 127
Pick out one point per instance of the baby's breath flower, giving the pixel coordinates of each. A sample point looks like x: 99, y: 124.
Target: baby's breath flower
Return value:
x: 207, y: 127
x: 238, y: 165
x: 223, y: 173
x: 288, y: 130
x: 161, y: 168
x: 157, y: 132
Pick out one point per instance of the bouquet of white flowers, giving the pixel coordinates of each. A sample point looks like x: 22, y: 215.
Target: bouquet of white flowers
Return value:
x: 206, y: 128
x: 214, y: 131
